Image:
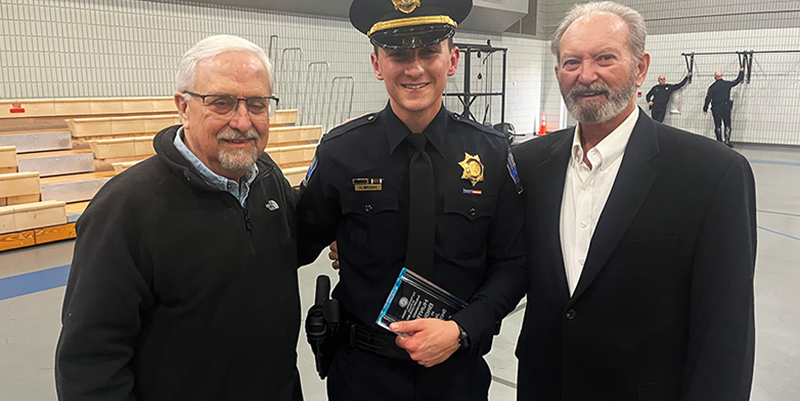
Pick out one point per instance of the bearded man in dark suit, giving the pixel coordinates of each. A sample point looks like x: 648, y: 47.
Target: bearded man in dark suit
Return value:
x: 641, y: 238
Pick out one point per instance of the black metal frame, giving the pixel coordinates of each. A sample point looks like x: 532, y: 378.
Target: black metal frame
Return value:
x: 745, y: 59
x: 467, y: 97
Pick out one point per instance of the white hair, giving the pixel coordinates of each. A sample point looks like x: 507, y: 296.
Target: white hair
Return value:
x: 637, y: 30
x: 208, y: 48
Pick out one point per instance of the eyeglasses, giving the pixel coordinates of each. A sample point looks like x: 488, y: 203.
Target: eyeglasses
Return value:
x: 225, y: 104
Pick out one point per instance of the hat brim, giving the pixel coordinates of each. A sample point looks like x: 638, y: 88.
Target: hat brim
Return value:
x: 412, y: 37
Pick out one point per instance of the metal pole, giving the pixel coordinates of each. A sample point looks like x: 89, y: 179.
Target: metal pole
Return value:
x: 467, y: 62
x: 503, y: 96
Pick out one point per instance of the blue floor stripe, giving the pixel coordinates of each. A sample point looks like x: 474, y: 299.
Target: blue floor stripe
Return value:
x: 29, y: 283
x: 775, y: 162
x: 779, y: 233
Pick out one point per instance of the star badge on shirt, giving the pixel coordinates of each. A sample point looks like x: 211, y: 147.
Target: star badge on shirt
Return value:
x: 473, y: 168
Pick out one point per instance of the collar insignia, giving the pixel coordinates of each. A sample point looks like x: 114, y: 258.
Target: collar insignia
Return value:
x: 406, y: 6
x: 473, y: 168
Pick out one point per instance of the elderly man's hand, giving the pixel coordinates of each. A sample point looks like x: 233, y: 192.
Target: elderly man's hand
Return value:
x: 429, y: 342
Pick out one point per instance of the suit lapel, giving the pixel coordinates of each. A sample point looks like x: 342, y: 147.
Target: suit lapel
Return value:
x: 550, y: 191
x: 629, y: 191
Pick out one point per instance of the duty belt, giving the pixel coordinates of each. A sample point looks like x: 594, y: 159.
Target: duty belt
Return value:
x: 363, y: 338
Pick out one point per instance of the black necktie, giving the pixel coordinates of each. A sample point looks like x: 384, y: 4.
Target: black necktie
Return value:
x: 421, y: 210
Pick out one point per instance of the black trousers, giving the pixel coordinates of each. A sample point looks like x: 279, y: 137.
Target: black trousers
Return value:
x: 658, y: 113
x: 721, y: 114
x: 358, y: 376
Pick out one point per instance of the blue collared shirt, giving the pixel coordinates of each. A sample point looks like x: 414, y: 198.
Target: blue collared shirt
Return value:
x: 215, y: 180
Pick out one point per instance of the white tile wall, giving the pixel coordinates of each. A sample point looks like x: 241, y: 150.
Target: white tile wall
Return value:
x: 767, y: 110
x: 95, y: 48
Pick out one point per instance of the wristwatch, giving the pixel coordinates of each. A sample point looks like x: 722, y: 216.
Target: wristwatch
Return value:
x: 463, y: 338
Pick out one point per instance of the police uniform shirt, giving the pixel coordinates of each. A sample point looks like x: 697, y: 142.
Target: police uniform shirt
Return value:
x: 357, y: 192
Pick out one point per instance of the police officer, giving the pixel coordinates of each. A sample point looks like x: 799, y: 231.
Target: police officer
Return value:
x: 719, y: 95
x: 364, y: 191
x: 659, y: 96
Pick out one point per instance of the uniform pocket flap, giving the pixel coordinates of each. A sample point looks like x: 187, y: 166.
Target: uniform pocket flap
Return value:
x: 470, y: 206
x: 370, y: 203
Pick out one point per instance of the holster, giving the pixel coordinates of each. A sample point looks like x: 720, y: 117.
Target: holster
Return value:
x: 323, y: 328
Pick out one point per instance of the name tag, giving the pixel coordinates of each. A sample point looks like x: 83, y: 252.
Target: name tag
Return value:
x: 368, y: 184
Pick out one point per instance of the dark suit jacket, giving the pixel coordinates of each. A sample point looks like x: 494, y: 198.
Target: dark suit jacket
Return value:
x: 663, y: 309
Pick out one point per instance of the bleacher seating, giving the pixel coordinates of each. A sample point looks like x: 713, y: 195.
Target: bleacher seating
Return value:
x: 55, y: 154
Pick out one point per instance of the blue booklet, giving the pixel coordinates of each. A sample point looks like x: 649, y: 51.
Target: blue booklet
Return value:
x: 414, y: 297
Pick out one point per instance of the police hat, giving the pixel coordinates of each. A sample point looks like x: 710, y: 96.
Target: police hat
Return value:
x: 408, y: 24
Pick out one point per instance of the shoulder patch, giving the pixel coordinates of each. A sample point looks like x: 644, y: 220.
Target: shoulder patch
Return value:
x: 512, y: 170
x: 350, y: 125
x: 310, y: 171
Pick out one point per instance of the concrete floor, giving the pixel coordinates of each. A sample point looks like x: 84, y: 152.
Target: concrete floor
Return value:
x: 30, y: 323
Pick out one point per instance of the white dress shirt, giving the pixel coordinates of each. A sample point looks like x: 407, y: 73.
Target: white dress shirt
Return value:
x: 586, y: 191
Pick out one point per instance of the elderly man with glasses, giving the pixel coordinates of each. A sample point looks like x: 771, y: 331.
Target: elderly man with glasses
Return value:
x: 184, y: 279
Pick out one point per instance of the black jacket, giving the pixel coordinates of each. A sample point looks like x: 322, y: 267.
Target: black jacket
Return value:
x: 663, y: 309
x: 178, y: 293
x: 719, y: 93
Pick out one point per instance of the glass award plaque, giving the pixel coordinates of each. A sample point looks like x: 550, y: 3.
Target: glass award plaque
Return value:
x: 414, y: 297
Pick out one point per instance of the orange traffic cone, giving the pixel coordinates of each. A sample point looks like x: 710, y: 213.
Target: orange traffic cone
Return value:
x: 543, y: 127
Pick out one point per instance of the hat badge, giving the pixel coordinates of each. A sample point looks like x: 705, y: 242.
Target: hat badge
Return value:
x: 406, y: 6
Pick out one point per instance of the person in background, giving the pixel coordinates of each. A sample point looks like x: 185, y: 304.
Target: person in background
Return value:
x: 658, y: 97
x: 719, y: 96
x: 641, y: 238
x: 183, y: 284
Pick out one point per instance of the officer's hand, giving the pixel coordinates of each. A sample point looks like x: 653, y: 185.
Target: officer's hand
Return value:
x: 689, y: 74
x: 334, y: 255
x: 741, y: 69
x: 428, y: 341
x: 705, y: 113
x: 650, y: 103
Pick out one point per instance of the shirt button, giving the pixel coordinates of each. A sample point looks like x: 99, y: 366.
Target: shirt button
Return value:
x: 583, y: 224
x: 581, y: 261
x: 472, y: 211
x: 368, y: 208
x: 571, y: 314
x: 585, y: 187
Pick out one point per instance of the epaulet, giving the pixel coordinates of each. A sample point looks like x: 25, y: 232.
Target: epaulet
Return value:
x: 350, y: 125
x: 487, y: 130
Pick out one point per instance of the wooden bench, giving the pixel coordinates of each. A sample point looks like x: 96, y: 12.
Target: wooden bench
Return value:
x: 34, y: 223
x: 292, y: 156
x: 22, y: 108
x: 8, y: 159
x: 283, y: 118
x: 122, y: 147
x: 295, y: 175
x: 122, y: 166
x: 19, y: 188
x: 300, y: 135
x: 91, y: 128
